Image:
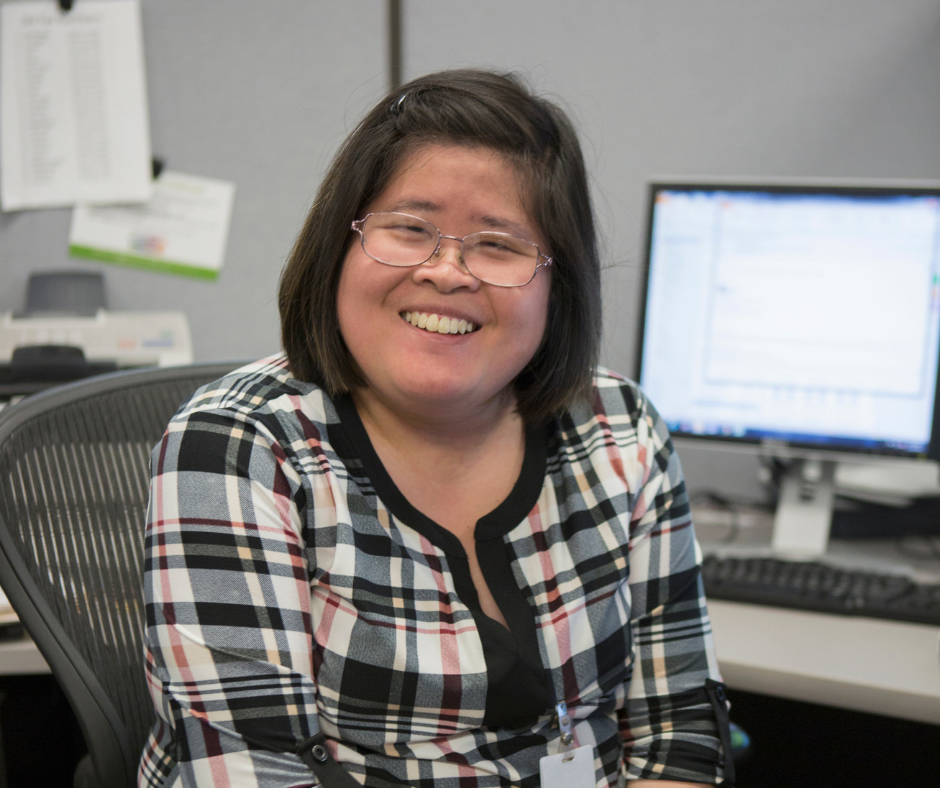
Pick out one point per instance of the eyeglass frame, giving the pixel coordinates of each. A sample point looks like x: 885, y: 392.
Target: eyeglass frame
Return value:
x: 358, y: 223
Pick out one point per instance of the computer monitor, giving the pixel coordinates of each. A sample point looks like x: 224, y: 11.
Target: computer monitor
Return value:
x: 801, y: 319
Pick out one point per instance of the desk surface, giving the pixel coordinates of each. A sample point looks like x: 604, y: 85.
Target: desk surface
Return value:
x: 883, y: 667
x: 21, y: 657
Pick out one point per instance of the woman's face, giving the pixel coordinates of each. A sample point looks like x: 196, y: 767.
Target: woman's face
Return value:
x: 460, y: 190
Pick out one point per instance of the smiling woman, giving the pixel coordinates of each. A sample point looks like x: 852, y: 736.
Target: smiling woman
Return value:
x: 431, y: 544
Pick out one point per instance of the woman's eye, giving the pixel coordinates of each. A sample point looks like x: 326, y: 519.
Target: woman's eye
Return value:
x: 410, y: 231
x: 502, y: 246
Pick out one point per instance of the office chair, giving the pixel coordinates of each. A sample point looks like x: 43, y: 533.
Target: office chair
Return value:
x: 73, y: 496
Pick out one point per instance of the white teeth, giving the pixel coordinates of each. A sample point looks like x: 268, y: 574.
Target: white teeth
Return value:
x: 439, y: 324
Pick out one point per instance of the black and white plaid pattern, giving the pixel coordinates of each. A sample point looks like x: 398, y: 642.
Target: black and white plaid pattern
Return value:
x: 290, y: 588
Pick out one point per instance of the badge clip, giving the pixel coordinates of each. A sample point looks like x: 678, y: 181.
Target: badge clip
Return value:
x: 568, y: 743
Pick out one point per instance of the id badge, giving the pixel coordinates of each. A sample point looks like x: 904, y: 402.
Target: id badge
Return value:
x: 573, y: 767
x: 577, y: 772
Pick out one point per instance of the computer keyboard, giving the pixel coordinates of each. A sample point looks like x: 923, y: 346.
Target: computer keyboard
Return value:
x: 809, y: 585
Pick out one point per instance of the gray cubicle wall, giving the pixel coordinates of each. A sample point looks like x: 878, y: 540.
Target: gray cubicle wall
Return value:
x: 262, y: 93
x: 259, y: 93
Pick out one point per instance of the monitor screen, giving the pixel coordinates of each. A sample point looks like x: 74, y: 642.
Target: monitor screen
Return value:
x: 800, y: 316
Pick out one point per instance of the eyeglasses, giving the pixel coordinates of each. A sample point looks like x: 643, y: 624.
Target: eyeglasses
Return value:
x: 495, y: 258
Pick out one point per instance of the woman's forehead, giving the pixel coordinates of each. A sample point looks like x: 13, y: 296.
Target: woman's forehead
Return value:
x: 435, y: 177
x: 440, y: 159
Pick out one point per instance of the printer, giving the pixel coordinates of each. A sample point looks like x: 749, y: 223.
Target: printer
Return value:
x: 66, y: 333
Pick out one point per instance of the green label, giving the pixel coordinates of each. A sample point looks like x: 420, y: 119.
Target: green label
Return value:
x: 147, y: 263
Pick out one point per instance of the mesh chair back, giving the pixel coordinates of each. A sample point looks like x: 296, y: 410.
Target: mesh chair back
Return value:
x: 73, y: 495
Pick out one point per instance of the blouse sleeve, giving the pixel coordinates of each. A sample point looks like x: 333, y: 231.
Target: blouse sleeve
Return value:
x: 668, y: 725
x: 228, y: 638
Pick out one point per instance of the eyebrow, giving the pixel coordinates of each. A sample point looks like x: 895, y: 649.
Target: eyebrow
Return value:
x: 504, y: 225
x: 491, y: 222
x: 414, y: 205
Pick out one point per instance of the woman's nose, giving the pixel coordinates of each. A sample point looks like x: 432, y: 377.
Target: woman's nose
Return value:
x: 446, y: 270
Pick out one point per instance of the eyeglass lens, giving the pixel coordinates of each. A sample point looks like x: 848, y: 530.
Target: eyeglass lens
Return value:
x: 403, y: 240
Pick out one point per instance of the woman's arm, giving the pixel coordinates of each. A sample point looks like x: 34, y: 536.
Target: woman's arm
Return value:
x: 229, y: 639
x: 668, y: 725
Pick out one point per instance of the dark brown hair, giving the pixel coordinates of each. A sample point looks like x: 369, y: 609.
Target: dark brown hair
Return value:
x: 465, y: 107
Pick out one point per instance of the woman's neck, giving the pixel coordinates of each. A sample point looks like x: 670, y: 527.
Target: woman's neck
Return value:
x: 444, y: 446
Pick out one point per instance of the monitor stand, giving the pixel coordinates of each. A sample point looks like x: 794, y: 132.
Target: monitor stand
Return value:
x: 804, y: 508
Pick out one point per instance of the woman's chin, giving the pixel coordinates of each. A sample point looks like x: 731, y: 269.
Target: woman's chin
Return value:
x: 450, y: 397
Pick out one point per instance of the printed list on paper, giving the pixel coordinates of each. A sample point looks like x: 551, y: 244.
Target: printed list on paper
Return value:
x: 73, y: 109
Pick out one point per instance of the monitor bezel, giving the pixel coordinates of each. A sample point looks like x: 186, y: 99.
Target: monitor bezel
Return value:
x: 842, y: 187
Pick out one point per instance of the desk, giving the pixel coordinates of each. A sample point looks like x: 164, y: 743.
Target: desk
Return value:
x: 18, y: 657
x: 882, y: 667
x: 21, y: 657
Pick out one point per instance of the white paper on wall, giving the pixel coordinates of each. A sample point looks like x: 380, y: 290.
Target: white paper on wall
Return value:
x: 73, y: 108
x: 183, y: 229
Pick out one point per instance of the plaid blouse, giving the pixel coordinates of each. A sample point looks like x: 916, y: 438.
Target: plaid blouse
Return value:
x: 291, y: 588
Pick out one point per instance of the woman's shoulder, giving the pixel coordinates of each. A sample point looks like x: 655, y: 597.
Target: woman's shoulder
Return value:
x: 256, y: 391
x: 620, y: 408
x: 618, y: 433
x: 617, y: 396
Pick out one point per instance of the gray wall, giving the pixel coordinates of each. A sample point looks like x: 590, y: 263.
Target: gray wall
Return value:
x: 262, y: 93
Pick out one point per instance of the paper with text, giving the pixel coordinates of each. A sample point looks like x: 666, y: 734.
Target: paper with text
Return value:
x: 73, y: 108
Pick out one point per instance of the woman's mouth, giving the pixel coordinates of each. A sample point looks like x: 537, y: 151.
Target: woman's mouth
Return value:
x: 438, y: 324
